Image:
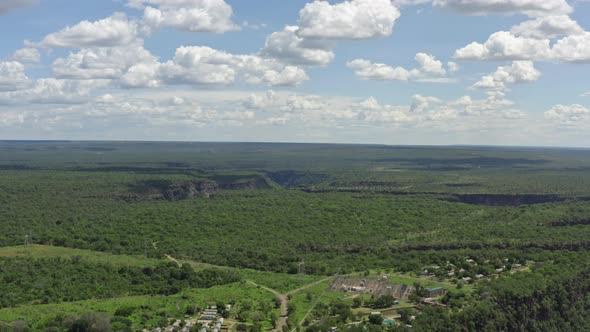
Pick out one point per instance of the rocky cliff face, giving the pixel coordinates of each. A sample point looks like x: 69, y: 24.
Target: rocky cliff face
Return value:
x: 190, y: 190
x: 149, y: 190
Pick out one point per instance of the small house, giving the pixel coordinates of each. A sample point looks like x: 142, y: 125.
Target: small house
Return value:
x: 434, y: 292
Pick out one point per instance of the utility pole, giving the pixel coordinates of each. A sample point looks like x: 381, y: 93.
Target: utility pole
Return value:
x: 301, y: 270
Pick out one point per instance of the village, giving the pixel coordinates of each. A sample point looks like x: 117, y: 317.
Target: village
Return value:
x: 374, y: 297
x: 210, y: 320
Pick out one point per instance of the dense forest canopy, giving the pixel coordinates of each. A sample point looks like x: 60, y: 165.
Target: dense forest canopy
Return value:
x: 339, y: 208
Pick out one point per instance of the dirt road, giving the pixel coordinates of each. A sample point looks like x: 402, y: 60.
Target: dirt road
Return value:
x: 284, y: 298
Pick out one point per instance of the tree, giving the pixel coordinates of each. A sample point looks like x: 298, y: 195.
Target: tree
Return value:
x: 405, y: 315
x: 357, y: 302
x: 291, y: 308
x: 124, y: 311
x: 414, y: 298
x: 376, y: 319
x: 92, y: 322
x: 383, y: 301
x: 419, y: 289
x: 256, y: 327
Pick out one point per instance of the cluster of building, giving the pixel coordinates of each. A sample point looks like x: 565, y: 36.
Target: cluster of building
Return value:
x: 381, y: 287
x: 375, y: 287
x: 176, y: 326
x: 470, y: 271
x: 211, y: 322
x: 209, y: 314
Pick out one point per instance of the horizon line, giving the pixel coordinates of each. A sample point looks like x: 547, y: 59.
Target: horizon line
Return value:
x: 299, y: 143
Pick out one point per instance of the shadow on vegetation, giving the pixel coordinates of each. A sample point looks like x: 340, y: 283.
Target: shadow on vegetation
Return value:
x: 505, y: 200
x: 462, y: 185
x: 564, y: 223
x: 15, y: 167
x: 139, y: 170
x: 99, y: 149
x: 440, y: 164
x: 292, y: 179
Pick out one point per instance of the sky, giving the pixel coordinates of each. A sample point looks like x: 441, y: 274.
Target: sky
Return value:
x: 400, y: 72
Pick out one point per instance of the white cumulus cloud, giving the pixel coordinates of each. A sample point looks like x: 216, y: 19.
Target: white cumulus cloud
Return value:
x: 206, y: 16
x: 112, y: 31
x: 547, y: 27
x: 504, y: 45
x: 573, y: 116
x: 421, y: 103
x: 27, y: 55
x: 353, y: 19
x: 428, y: 66
x: 485, y: 7
x: 288, y: 46
x: 518, y: 72
x: 53, y: 91
x: 368, y: 70
x: 574, y: 48
x: 12, y: 75
x: 102, y: 62
x: 201, y: 65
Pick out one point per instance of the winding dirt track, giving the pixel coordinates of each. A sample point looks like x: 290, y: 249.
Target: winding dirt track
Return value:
x: 284, y: 298
x: 174, y: 260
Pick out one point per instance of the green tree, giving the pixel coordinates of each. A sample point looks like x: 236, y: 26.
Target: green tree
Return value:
x: 376, y: 319
x: 357, y: 302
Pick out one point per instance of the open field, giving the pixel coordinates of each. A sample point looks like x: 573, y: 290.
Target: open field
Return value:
x: 280, y: 281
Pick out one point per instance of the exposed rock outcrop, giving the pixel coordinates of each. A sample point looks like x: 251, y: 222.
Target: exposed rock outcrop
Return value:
x: 190, y: 190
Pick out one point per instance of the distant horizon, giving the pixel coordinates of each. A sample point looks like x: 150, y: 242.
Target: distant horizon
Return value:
x: 301, y: 143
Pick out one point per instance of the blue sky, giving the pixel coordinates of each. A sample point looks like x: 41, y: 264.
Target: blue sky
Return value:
x: 494, y: 72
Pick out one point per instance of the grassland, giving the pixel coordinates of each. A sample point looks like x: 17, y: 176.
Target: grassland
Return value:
x: 281, y: 282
